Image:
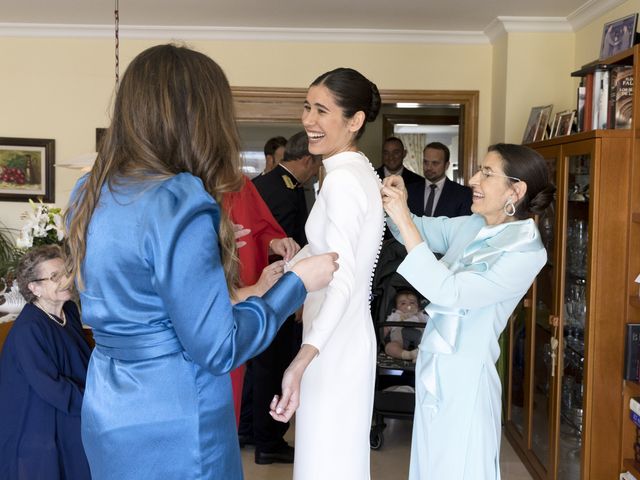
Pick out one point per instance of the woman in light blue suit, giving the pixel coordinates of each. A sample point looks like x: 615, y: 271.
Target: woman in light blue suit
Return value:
x: 490, y: 260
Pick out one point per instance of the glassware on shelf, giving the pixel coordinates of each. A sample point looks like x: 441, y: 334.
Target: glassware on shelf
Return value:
x: 577, y: 243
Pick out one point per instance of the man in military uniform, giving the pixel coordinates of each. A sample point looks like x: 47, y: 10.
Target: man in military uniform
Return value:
x: 273, y: 153
x: 283, y: 192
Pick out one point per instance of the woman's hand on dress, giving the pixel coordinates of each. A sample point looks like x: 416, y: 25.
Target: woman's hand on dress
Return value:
x: 239, y: 231
x: 316, y: 271
x: 269, y: 276
x: 394, y: 199
x: 285, y: 247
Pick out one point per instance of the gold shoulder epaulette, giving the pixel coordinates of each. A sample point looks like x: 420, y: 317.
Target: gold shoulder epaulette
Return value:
x: 287, y: 181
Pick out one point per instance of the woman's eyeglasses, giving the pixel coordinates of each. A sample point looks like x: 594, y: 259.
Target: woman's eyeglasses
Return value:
x: 54, y: 277
x: 487, y: 172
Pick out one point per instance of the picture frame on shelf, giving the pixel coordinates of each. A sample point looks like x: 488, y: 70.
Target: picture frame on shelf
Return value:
x: 27, y: 169
x: 564, y: 123
x: 545, y: 115
x: 618, y: 35
x: 533, y: 131
x: 554, y: 124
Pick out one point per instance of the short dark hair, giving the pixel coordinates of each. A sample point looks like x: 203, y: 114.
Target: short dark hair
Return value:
x: 297, y: 147
x: 353, y: 93
x: 29, y: 267
x: 273, y: 144
x: 529, y: 166
x: 393, y: 139
x: 442, y: 147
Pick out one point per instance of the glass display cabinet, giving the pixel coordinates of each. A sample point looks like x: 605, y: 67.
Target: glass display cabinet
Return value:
x: 563, y: 390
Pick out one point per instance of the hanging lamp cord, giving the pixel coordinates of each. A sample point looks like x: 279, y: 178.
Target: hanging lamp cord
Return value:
x: 117, y: 28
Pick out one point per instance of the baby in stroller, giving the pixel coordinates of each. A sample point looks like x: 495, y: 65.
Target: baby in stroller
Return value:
x: 402, y: 342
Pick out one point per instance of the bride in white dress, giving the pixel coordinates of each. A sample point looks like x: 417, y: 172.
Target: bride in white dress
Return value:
x: 338, y: 354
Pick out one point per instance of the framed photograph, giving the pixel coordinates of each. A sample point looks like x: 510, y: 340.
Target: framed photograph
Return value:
x: 533, y: 132
x: 545, y: 115
x: 564, y: 123
x: 618, y: 35
x: 27, y: 169
x: 554, y: 124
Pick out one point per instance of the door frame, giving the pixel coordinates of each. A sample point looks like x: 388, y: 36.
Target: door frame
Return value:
x: 272, y: 104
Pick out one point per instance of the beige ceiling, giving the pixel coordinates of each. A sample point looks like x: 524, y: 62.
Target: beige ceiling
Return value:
x: 425, y: 15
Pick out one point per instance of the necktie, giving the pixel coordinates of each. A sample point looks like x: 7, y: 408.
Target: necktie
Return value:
x: 428, y: 210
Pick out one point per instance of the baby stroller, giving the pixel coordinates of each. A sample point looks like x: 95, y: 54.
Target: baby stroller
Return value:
x: 394, y: 395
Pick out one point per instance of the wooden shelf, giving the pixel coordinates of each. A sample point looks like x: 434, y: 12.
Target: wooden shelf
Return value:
x: 632, y: 466
x: 635, y: 217
x: 634, y: 301
x: 622, y: 58
x: 633, y: 386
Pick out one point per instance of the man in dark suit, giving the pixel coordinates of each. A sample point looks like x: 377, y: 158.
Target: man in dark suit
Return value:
x: 282, y: 190
x: 393, y: 153
x: 438, y: 196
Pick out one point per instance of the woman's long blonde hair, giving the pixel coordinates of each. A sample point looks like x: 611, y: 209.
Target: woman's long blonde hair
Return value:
x: 173, y: 113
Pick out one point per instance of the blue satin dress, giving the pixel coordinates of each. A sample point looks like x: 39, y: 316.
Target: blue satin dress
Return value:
x: 158, y: 400
x: 473, y: 289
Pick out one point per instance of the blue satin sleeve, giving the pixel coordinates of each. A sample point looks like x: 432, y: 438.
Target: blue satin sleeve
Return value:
x: 33, y: 352
x: 181, y: 247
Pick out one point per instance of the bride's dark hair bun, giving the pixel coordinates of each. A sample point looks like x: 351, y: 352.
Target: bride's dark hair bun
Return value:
x: 353, y: 93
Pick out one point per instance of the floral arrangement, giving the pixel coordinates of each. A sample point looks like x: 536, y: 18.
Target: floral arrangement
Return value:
x: 43, y: 226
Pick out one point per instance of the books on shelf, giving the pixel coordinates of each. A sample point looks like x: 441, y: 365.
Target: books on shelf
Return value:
x: 634, y: 405
x: 627, y: 476
x: 621, y: 97
x: 604, y: 98
x: 632, y: 352
x: 635, y: 417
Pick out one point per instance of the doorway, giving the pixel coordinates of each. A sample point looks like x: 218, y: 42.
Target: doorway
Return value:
x: 280, y: 109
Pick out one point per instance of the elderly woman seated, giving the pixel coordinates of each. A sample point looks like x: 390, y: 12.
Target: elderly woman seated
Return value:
x: 43, y: 366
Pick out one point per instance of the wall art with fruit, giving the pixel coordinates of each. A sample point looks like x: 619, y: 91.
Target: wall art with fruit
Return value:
x: 27, y: 169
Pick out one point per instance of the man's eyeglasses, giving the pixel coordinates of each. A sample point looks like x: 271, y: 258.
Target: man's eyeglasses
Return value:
x: 487, y: 172
x: 54, y: 277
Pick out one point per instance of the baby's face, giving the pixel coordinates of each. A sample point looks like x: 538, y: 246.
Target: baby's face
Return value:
x: 407, y: 303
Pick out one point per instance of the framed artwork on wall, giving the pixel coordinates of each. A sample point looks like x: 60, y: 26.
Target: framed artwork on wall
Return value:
x: 27, y: 169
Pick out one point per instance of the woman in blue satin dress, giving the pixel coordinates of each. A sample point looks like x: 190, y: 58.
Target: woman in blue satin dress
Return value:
x: 153, y: 255
x: 490, y: 260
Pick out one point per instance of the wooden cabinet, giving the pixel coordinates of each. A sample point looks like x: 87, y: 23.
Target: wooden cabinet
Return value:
x: 566, y: 340
x: 632, y: 303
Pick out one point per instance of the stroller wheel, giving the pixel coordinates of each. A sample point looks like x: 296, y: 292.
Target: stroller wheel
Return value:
x: 376, y: 438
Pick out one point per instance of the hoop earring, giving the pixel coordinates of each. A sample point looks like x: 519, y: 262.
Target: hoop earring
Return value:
x: 509, y: 208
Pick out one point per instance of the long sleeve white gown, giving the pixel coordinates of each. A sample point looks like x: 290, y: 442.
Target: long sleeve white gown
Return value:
x: 336, y: 397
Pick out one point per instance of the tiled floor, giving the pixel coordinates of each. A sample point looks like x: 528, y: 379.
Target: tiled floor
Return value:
x: 391, y: 462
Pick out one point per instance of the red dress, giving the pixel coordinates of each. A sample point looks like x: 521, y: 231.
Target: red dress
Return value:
x: 247, y: 208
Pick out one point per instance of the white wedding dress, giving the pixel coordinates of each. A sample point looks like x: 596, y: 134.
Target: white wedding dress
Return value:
x: 336, y: 397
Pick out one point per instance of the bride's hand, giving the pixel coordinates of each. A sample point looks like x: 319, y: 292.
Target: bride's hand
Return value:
x: 283, y: 408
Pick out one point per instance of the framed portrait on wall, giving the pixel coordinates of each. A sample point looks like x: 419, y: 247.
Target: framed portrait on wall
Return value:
x: 27, y: 169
